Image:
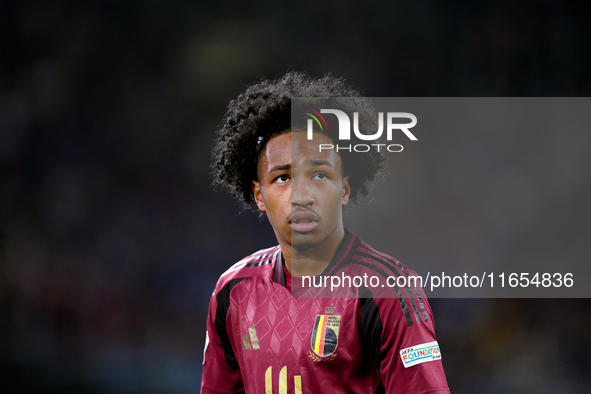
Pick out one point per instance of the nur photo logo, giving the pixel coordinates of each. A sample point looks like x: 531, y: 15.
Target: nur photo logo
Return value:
x: 390, y: 125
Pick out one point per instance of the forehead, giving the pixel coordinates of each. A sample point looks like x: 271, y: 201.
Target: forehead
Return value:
x: 294, y: 148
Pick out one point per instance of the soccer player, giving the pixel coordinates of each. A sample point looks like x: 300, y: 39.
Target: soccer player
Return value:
x: 259, y: 338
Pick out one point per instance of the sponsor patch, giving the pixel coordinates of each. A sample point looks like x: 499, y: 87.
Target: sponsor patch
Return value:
x: 420, y: 354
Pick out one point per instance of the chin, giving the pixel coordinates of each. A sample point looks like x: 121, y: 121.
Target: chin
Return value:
x: 303, y: 240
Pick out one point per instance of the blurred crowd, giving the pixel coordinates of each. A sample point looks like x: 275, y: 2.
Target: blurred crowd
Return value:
x: 112, y: 238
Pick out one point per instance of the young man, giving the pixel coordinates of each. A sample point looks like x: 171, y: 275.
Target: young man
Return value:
x: 260, y: 339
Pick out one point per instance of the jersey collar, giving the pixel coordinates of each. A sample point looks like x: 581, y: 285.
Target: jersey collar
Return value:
x: 341, y: 258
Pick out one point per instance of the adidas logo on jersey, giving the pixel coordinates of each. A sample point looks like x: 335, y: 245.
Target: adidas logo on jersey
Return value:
x: 250, y: 339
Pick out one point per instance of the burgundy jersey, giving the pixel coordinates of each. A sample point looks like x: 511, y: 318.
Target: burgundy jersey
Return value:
x: 262, y: 340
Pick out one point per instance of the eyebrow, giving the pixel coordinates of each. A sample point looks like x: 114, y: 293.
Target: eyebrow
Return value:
x: 281, y: 167
x: 314, y: 163
x: 318, y: 163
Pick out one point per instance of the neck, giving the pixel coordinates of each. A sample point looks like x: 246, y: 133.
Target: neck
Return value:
x: 311, y: 260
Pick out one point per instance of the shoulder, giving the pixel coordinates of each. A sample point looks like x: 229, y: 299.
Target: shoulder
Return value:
x: 380, y: 263
x: 258, y: 264
x: 397, y: 290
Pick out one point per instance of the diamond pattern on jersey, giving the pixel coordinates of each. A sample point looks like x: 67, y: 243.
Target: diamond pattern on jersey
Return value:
x: 284, y: 325
x: 327, y: 387
x: 284, y: 328
x: 296, y: 307
x: 258, y: 300
x: 279, y: 298
x: 288, y: 357
x: 304, y: 329
x: 263, y: 328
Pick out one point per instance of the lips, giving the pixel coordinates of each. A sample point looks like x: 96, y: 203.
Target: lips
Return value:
x: 303, y: 221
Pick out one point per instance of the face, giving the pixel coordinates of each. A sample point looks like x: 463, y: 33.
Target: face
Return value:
x: 302, y: 190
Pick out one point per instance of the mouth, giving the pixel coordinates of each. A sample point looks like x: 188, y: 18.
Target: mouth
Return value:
x: 303, y: 221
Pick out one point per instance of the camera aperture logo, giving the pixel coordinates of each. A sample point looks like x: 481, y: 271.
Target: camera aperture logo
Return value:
x: 345, y: 130
x: 316, y: 119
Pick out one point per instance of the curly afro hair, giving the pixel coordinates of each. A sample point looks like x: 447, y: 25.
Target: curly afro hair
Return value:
x: 264, y: 111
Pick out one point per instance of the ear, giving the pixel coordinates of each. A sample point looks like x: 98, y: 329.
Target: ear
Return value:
x: 256, y: 189
x: 346, y: 191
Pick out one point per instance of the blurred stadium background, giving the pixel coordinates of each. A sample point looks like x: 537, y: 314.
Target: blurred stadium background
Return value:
x: 111, y: 237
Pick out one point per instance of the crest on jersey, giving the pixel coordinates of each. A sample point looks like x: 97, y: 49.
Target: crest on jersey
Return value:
x: 325, y: 335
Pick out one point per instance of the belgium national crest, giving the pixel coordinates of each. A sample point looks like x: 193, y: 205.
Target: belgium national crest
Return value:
x: 325, y: 335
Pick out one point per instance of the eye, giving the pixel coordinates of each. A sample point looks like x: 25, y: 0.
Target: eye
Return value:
x: 282, y: 178
x: 320, y: 176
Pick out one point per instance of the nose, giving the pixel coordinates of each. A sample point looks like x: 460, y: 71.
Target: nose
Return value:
x: 301, y: 194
